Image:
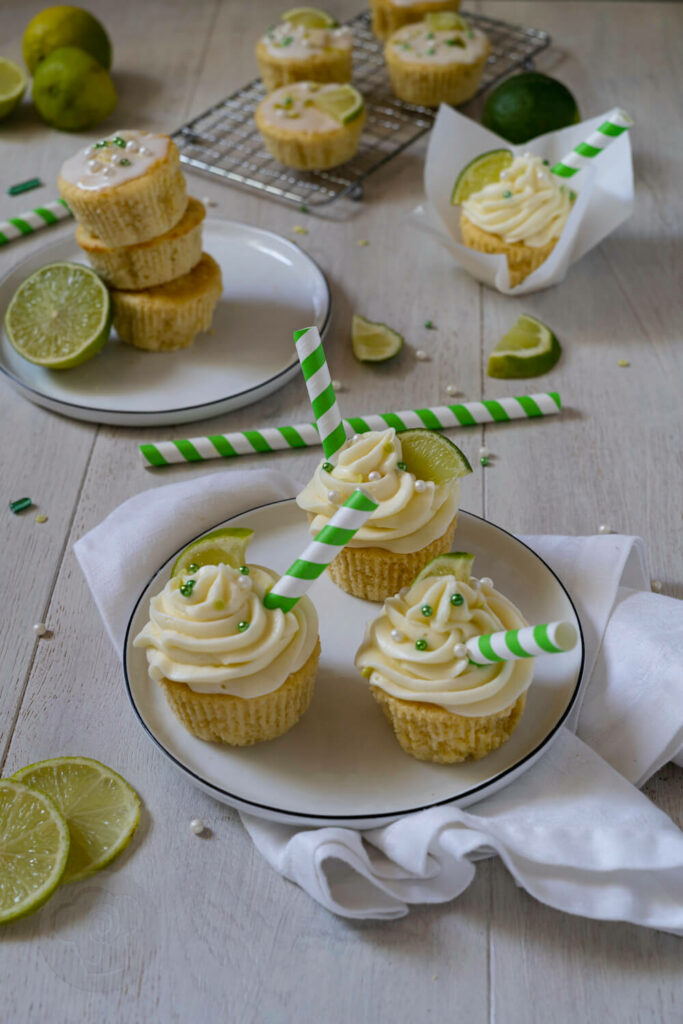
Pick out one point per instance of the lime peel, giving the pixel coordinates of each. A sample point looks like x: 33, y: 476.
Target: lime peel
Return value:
x: 344, y: 103
x: 374, y: 342
x: 527, y: 350
x: 453, y: 563
x: 483, y: 170
x: 228, y: 545
x: 431, y: 456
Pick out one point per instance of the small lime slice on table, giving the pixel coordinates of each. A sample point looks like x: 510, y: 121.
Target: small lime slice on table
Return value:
x: 445, y: 21
x: 13, y: 83
x: 374, y: 342
x: 483, y: 170
x: 309, y: 17
x: 527, y: 350
x: 34, y: 849
x: 344, y: 103
x: 431, y: 456
x: 453, y: 563
x: 60, y: 316
x: 228, y: 545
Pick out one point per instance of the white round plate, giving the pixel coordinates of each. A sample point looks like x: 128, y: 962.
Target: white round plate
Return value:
x: 341, y: 765
x: 270, y: 289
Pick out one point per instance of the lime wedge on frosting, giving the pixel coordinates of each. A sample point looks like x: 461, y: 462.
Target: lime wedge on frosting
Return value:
x: 445, y: 21
x: 483, y: 170
x: 228, y: 546
x: 431, y: 456
x: 527, y: 350
x: 455, y: 563
x: 344, y: 103
x: 309, y: 17
x: 374, y: 342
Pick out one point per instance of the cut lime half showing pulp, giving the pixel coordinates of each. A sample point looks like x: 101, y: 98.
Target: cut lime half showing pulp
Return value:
x: 228, y: 546
x: 100, y: 808
x: 59, y: 316
x: 431, y: 456
x: 309, y: 17
x: 344, y: 103
x: 445, y: 21
x: 374, y: 342
x: 34, y: 848
x: 483, y: 170
x: 527, y: 350
x: 455, y: 563
x: 12, y: 86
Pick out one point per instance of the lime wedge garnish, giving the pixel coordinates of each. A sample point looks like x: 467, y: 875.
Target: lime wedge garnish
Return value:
x: 527, y: 350
x: 445, y: 21
x: 59, y: 316
x: 100, y: 808
x: 481, y: 171
x: 343, y: 102
x: 12, y: 86
x: 228, y: 546
x: 431, y: 456
x: 309, y: 17
x: 34, y: 848
x: 455, y: 563
x: 373, y: 343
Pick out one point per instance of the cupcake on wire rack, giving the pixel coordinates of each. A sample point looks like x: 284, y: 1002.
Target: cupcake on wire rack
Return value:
x: 307, y: 44
x: 390, y: 15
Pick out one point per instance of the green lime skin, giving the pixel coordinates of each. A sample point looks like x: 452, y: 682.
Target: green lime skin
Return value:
x: 528, y: 105
x: 64, y: 25
x: 72, y: 91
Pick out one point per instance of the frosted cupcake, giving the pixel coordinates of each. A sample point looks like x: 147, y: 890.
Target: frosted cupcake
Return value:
x: 390, y: 15
x: 295, y: 52
x: 231, y: 670
x: 522, y: 215
x: 415, y: 519
x: 310, y: 126
x: 436, y: 61
x: 126, y: 188
x: 441, y: 707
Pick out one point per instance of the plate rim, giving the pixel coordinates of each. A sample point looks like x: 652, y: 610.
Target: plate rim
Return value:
x: 299, y: 816
x: 23, y: 386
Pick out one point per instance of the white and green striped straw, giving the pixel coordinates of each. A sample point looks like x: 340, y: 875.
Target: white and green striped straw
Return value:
x: 528, y: 642
x: 32, y: 221
x: 314, y: 367
x: 305, y: 435
x: 311, y: 564
x: 615, y: 124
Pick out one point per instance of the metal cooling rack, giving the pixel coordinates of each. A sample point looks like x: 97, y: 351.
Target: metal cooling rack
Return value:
x: 224, y: 140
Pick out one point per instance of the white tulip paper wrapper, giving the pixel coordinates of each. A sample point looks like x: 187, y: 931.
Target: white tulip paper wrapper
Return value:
x: 604, y: 196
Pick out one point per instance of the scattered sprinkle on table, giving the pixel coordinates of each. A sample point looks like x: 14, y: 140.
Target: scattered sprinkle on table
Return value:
x: 303, y: 208
x: 484, y: 460
x: 623, y: 362
x: 24, y: 186
x: 299, y: 229
x: 483, y: 452
x: 337, y: 385
x: 19, y: 505
x: 39, y: 628
x: 451, y: 389
x: 421, y: 355
x: 197, y: 826
x: 656, y: 585
x: 41, y: 518
x: 362, y: 242
x: 429, y: 325
x: 208, y: 201
x: 604, y: 528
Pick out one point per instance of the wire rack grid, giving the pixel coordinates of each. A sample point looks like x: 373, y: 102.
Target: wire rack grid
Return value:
x: 224, y: 140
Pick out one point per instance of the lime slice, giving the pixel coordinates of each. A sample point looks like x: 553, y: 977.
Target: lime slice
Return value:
x: 455, y: 563
x: 101, y: 809
x: 344, y: 103
x: 228, y: 546
x: 309, y: 17
x: 34, y: 848
x: 445, y: 21
x: 527, y: 350
x: 483, y: 170
x: 12, y: 86
x: 431, y: 456
x: 59, y: 316
x: 374, y: 343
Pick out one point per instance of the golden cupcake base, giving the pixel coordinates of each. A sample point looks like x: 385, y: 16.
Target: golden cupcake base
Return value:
x: 169, y: 316
x: 430, y: 733
x: 522, y: 259
x: 375, y: 573
x: 241, y: 722
x: 305, y: 151
x: 332, y: 66
x: 428, y: 85
x: 387, y: 17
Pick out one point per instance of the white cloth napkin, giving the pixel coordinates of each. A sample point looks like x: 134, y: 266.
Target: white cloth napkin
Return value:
x: 573, y: 830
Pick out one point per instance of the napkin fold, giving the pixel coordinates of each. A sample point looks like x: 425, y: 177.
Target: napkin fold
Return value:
x: 573, y: 830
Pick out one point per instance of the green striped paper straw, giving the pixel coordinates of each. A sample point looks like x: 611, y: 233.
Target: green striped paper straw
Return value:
x: 32, y: 221
x: 528, y: 642
x: 311, y: 354
x: 311, y: 564
x: 615, y: 124
x: 305, y: 435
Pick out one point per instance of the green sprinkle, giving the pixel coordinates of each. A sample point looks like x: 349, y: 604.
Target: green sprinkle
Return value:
x: 484, y: 461
x: 328, y: 467
x: 287, y: 101
x: 187, y: 587
x: 431, y: 51
x: 125, y: 162
x: 430, y: 35
x: 303, y: 208
x: 406, y: 46
x: 455, y: 42
x: 427, y: 610
x: 429, y: 325
x: 244, y: 569
x: 286, y: 41
x: 19, y: 505
x: 507, y: 194
x: 402, y: 465
x: 470, y: 33
x: 242, y: 625
x: 457, y: 600
x: 118, y: 141
x: 41, y: 518
x: 547, y: 163
x: 101, y: 144
x: 24, y: 186
x: 421, y: 644
x: 193, y: 567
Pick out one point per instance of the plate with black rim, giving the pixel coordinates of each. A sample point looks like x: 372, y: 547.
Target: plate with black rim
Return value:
x: 341, y: 765
x: 271, y: 288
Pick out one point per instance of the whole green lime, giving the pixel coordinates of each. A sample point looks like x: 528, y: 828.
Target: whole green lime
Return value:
x: 65, y: 26
x: 528, y: 105
x: 72, y: 91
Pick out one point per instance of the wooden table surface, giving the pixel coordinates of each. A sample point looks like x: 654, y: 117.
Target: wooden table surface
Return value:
x: 182, y: 929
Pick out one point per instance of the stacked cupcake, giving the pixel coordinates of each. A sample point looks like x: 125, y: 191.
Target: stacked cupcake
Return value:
x: 143, y: 235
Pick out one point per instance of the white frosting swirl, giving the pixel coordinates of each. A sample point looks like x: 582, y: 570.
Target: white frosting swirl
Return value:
x: 419, y: 43
x: 527, y: 204
x: 114, y: 159
x: 294, y: 42
x: 437, y: 675
x: 406, y: 519
x: 197, y: 639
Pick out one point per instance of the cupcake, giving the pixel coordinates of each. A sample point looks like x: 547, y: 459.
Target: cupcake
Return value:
x: 230, y: 669
x: 294, y: 52
x: 146, y: 264
x: 415, y: 519
x: 171, y: 315
x: 126, y: 188
x: 429, y: 65
x: 441, y: 707
x: 310, y: 126
x: 390, y: 15
x: 521, y: 215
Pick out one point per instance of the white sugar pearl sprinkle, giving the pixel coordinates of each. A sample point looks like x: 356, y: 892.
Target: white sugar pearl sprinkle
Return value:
x: 655, y: 585
x: 333, y: 497
x: 337, y: 385
x: 460, y: 651
x: 397, y: 635
x: 421, y: 355
x: 451, y: 389
x: 356, y: 437
x: 40, y: 629
x: 486, y: 581
x: 374, y: 475
x: 604, y: 528
x: 244, y: 582
x: 144, y: 151
x: 420, y: 486
x: 94, y: 165
x: 483, y: 452
x: 107, y: 170
x: 197, y: 826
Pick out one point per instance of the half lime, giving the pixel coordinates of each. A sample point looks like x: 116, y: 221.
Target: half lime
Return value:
x: 374, y: 342
x: 527, y: 350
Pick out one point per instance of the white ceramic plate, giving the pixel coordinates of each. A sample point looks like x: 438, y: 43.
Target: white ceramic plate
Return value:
x: 341, y: 765
x: 270, y: 289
